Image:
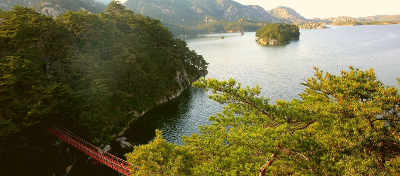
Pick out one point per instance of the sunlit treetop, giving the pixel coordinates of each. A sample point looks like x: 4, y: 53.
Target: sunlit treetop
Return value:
x: 343, y: 124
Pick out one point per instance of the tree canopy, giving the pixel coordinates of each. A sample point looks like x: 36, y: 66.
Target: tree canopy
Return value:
x: 91, y: 72
x: 280, y: 32
x: 345, y: 124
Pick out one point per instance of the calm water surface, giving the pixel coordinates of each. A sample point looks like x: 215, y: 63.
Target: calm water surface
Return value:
x: 278, y: 70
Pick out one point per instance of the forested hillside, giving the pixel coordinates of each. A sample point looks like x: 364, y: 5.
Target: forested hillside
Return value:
x: 190, y: 12
x: 91, y: 72
x: 59, y: 6
x: 203, y: 16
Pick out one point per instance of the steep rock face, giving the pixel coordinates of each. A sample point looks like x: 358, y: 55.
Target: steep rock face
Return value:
x: 235, y: 11
x: 50, y: 9
x: 172, y: 11
x: 229, y: 10
x: 288, y: 14
x: 55, y: 7
x: 193, y: 11
x: 183, y: 80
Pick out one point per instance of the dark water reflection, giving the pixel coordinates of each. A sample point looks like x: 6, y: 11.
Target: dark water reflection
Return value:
x: 175, y: 118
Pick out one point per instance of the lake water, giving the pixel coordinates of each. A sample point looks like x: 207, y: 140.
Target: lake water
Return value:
x: 278, y: 70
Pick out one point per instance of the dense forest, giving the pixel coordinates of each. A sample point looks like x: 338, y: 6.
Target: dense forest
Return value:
x: 74, y: 5
x: 94, y: 73
x: 280, y: 32
x: 347, y: 124
x: 91, y: 72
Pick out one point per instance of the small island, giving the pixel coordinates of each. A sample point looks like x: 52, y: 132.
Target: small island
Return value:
x: 277, y: 34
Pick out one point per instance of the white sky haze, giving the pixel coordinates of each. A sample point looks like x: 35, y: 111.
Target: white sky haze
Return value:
x: 324, y: 9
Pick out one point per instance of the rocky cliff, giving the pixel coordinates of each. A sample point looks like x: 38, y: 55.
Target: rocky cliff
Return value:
x: 312, y: 25
x: 52, y: 9
x: 193, y: 11
x: 344, y: 21
x: 55, y: 7
x: 288, y: 14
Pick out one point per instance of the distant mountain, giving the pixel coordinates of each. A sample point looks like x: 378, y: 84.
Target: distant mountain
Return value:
x: 287, y: 14
x: 8, y: 4
x: 189, y: 12
x: 383, y: 18
x: 55, y: 7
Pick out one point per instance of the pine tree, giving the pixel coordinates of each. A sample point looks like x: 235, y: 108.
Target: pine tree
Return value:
x: 345, y: 124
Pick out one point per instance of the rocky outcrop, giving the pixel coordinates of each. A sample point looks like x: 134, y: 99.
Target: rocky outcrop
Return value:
x: 194, y: 11
x: 120, y: 139
x: 183, y: 82
x: 288, y: 14
x: 268, y: 42
x: 56, y: 7
x: 123, y: 143
x: 346, y: 21
x: 107, y: 148
x: 51, y: 9
x: 182, y: 79
x: 312, y: 25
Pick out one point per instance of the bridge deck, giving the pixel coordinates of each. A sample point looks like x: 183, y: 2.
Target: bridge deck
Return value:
x: 94, y: 152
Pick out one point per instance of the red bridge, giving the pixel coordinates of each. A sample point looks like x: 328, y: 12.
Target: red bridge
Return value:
x: 94, y: 152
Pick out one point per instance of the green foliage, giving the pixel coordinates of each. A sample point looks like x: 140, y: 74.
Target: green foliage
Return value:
x: 33, y: 56
x: 398, y: 80
x: 123, y: 64
x: 279, y: 31
x: 346, y: 124
x: 31, y: 67
x: 360, y: 117
x: 92, y: 72
x: 164, y: 158
x: 74, y: 5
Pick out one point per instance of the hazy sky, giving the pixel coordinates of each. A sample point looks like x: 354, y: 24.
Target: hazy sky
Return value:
x: 324, y: 9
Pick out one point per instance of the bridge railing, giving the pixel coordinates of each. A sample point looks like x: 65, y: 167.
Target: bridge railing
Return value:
x: 94, y: 152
